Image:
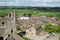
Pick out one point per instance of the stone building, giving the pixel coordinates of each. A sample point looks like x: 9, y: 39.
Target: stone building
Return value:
x: 7, y: 23
x: 36, y: 22
x: 31, y: 32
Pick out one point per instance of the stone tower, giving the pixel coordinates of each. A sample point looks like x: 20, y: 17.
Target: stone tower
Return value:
x: 11, y: 21
x: 7, y: 24
x: 2, y: 27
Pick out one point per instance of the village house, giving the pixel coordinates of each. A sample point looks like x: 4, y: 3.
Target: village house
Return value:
x: 37, y: 23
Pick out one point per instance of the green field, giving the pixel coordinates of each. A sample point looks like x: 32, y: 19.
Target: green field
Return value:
x: 30, y: 11
x: 20, y: 12
x: 36, y: 13
x: 51, y: 28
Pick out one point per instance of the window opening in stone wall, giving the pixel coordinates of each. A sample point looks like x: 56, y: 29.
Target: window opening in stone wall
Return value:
x: 9, y: 15
x: 3, y: 23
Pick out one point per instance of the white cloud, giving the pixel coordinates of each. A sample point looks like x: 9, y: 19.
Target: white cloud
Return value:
x: 47, y: 0
x: 51, y: 3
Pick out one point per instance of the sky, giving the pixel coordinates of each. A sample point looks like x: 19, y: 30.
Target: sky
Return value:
x: 40, y: 3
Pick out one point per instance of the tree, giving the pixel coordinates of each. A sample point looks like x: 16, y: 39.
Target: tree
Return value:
x: 29, y: 15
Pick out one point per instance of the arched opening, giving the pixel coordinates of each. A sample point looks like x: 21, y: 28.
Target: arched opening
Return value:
x: 1, y: 38
x: 9, y: 15
x: 2, y: 23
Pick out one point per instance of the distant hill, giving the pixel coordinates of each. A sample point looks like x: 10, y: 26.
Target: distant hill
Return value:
x: 53, y: 9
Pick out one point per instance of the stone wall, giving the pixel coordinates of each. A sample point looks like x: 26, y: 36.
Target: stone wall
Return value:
x: 31, y: 32
x: 7, y: 24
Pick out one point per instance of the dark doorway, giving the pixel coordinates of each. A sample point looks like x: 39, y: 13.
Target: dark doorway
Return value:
x: 1, y: 38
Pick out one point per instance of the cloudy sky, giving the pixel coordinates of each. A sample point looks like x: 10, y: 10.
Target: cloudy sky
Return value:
x: 44, y: 3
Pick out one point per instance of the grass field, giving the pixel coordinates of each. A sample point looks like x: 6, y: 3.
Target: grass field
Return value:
x: 21, y: 12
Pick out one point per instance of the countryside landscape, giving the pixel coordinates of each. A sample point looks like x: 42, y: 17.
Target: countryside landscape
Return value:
x: 29, y: 23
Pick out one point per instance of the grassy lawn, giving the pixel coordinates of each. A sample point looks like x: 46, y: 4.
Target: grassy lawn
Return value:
x: 52, y: 29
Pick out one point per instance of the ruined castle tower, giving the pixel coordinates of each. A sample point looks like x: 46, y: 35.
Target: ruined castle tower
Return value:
x: 11, y: 21
x: 7, y: 24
